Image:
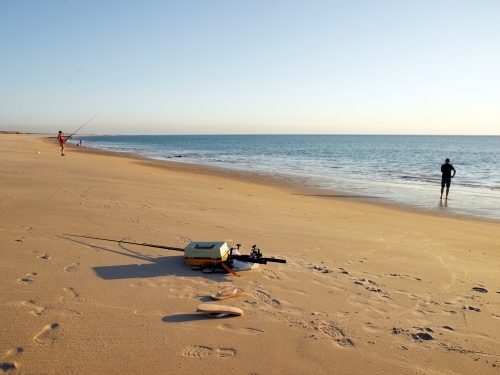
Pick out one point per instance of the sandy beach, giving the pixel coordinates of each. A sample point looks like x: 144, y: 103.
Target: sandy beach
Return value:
x: 367, y: 288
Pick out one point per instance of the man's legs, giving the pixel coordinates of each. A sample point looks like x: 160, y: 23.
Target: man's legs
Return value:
x: 446, y: 183
x: 62, y: 153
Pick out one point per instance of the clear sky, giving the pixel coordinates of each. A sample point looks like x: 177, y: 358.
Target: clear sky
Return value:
x: 251, y: 66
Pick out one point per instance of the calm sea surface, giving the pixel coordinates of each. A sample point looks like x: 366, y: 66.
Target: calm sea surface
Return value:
x: 403, y: 169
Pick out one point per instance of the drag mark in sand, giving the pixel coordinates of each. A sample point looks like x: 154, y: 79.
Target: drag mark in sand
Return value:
x: 459, y: 349
x: 404, y: 276
x: 243, y: 331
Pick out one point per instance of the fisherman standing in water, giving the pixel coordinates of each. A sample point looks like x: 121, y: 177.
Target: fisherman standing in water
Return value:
x: 446, y: 169
x: 62, y: 141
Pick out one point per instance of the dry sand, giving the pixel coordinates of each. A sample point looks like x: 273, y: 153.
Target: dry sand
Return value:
x: 366, y: 289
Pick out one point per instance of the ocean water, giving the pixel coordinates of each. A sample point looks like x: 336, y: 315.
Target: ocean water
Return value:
x: 402, y: 169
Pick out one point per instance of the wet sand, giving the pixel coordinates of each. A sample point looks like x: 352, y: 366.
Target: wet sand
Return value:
x: 367, y: 288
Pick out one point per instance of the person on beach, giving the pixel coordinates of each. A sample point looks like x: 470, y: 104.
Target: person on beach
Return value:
x: 446, y: 176
x: 62, y: 141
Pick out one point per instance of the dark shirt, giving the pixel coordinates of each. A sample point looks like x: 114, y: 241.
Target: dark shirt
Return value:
x: 446, y: 170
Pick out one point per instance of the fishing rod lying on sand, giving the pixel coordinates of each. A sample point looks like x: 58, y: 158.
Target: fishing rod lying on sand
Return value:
x: 210, y: 256
x: 83, y: 125
x: 131, y: 243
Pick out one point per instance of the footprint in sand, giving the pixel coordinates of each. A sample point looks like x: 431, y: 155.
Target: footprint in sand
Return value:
x: 322, y: 269
x: 72, y: 267
x: 34, y: 308
x: 205, y: 351
x: 197, y: 351
x: 480, y: 289
x: 15, y: 351
x: 369, y: 285
x: 19, y: 240
x: 226, y: 352
x: 70, y: 293
x: 422, y: 336
x: 271, y: 275
x: 472, y: 308
x: 44, y: 256
x: 266, y: 298
x: 48, y: 335
x: 28, y: 279
x: 8, y: 366
x: 332, y: 331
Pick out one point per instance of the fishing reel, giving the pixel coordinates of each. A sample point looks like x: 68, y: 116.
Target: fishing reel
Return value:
x: 255, y: 253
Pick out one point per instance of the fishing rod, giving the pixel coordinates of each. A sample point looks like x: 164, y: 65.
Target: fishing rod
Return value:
x: 255, y: 255
x: 84, y: 124
x: 132, y: 243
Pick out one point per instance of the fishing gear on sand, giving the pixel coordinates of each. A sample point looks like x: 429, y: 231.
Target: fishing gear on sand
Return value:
x: 210, y: 257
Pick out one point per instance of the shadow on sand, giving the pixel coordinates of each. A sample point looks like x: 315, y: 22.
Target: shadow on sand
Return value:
x: 149, y: 266
x: 182, y: 318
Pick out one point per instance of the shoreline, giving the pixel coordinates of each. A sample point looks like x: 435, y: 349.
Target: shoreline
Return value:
x: 366, y: 288
x: 294, y: 184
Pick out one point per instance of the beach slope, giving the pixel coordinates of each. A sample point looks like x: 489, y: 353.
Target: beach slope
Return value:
x: 366, y: 288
